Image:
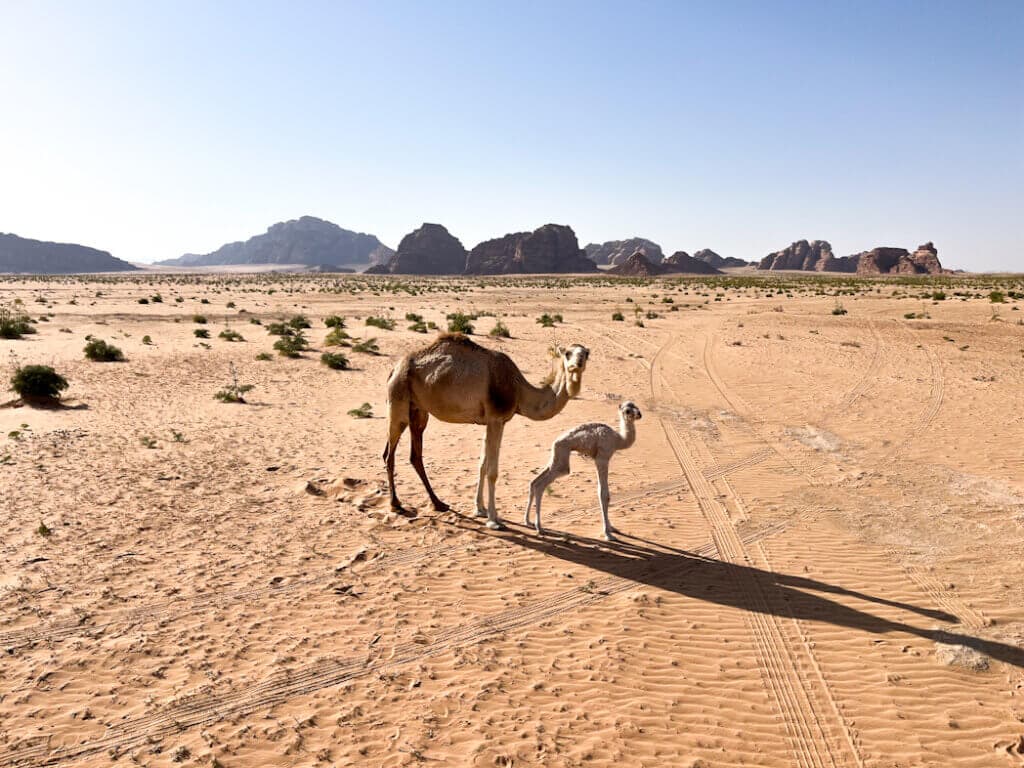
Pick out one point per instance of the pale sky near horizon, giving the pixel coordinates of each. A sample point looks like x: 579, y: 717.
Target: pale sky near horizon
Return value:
x: 152, y: 129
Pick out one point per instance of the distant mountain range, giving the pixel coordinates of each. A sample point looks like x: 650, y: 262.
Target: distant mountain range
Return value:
x: 38, y: 257
x: 817, y: 256
x: 307, y: 240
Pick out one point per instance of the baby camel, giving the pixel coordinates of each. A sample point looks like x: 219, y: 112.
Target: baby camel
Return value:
x: 596, y: 441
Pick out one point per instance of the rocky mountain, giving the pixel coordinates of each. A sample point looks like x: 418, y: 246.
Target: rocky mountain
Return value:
x: 38, y: 257
x: 682, y: 262
x: 617, y: 251
x: 813, y: 256
x: 898, y: 261
x: 719, y: 262
x: 430, y: 250
x: 817, y: 256
x: 551, y: 248
x: 637, y: 265
x: 307, y: 240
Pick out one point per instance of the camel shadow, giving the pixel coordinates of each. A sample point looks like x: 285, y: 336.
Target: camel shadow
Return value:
x: 739, y: 586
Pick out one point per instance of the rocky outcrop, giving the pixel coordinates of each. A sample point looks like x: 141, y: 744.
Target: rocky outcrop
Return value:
x: 430, y: 250
x: 552, y: 248
x: 926, y: 257
x: 38, y: 257
x: 682, y: 262
x: 719, y: 262
x: 307, y: 240
x: 617, y: 251
x: 637, y: 265
x: 813, y: 256
x: 817, y: 256
x: 898, y: 261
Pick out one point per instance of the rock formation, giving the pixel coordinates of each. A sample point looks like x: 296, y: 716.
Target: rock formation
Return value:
x: 616, y: 251
x: 682, y: 262
x: 38, y: 257
x: 813, y: 256
x: 898, y: 261
x: 430, y: 250
x: 817, y: 256
x: 719, y: 262
x: 637, y: 265
x: 552, y: 248
x: 307, y: 240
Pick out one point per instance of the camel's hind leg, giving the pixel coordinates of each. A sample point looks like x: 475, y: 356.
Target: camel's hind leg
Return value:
x: 398, y: 420
x: 557, y: 467
x: 417, y: 424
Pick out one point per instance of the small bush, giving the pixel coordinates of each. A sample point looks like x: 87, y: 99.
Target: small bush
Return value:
x: 147, y: 340
x: 264, y: 356
x: 201, y: 333
x: 255, y: 321
x: 418, y: 327
x: 334, y: 321
x: 291, y: 346
x: 384, y: 323
x: 100, y: 351
x: 618, y: 317
x: 368, y: 347
x: 143, y: 300
x: 838, y: 309
x: 997, y: 297
x: 279, y: 329
x: 460, y: 323
x: 338, y: 337
x: 298, y: 322
x: 229, y: 335
x: 335, y: 361
x: 501, y: 331
x: 200, y: 319
x: 156, y: 298
x: 412, y: 317
x: 364, y: 411
x: 546, y: 321
x: 233, y: 392
x: 38, y: 383
x: 14, y: 323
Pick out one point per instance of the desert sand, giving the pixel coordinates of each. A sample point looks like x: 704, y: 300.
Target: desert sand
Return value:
x: 820, y: 566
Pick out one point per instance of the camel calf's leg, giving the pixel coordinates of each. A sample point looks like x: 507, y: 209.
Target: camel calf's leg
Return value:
x: 604, y: 496
x: 557, y: 467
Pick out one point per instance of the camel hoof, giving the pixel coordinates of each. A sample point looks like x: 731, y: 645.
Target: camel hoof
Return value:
x: 495, y: 525
x: 610, y: 536
x: 440, y: 506
x: 481, y: 513
x: 540, y: 531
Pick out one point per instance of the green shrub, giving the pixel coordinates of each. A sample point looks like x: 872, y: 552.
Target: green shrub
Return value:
x: 201, y: 333
x: 384, y: 323
x: 143, y: 300
x: 291, y: 346
x: 419, y: 327
x: 334, y: 321
x: 412, y: 317
x: 546, y: 321
x: 279, y: 329
x: 460, y: 323
x: 364, y: 411
x: 997, y: 297
x: 14, y: 323
x: 338, y: 337
x: 838, y: 309
x: 335, y: 361
x: 501, y: 330
x: 617, y: 316
x: 229, y: 335
x: 38, y: 383
x: 156, y: 298
x: 298, y: 322
x: 264, y: 356
x: 200, y: 319
x: 368, y: 347
x: 100, y: 351
x: 147, y: 340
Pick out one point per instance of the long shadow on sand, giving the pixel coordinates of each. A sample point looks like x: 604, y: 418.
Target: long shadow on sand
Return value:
x: 738, y: 586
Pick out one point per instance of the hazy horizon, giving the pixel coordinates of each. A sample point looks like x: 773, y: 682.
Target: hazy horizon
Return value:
x: 156, y: 130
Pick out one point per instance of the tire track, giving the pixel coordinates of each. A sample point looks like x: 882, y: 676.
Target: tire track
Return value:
x: 808, y: 708
x: 204, y: 709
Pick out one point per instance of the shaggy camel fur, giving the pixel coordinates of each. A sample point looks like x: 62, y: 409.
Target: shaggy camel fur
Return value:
x: 595, y: 441
x: 458, y: 381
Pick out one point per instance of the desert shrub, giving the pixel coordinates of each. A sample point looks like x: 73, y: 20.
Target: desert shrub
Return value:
x: 255, y: 321
x: 291, y: 346
x: 938, y: 296
x: 14, y: 323
x: 334, y: 321
x: 38, y: 383
x: 337, y: 338
x: 368, y: 347
x: 997, y: 297
x: 143, y: 300
x: 201, y: 333
x: 419, y: 327
x: 200, y: 319
x: 230, y: 305
x: 412, y: 317
x: 384, y: 323
x: 298, y: 322
x: 229, y: 335
x: 838, y: 309
x: 100, y: 351
x: 501, y: 330
x: 156, y: 298
x: 334, y: 360
x: 459, y: 323
x: 279, y: 329
x: 364, y: 411
x: 147, y: 340
x: 264, y: 356
x: 546, y: 321
x: 618, y: 316
x: 233, y: 392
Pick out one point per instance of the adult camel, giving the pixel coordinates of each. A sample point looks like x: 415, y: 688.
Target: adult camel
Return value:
x: 460, y: 382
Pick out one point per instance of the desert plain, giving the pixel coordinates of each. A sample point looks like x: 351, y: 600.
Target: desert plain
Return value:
x: 820, y: 563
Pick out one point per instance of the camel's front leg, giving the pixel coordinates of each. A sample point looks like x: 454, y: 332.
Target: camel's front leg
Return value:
x: 481, y: 508
x: 492, y: 450
x: 604, y: 496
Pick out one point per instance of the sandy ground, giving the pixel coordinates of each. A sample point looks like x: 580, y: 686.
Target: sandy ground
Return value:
x: 823, y: 519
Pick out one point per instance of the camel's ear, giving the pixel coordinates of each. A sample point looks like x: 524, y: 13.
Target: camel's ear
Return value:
x: 557, y: 351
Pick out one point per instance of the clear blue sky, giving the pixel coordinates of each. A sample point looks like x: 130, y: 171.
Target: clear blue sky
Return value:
x: 155, y: 128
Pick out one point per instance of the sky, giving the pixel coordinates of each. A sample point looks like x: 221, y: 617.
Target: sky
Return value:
x: 152, y: 129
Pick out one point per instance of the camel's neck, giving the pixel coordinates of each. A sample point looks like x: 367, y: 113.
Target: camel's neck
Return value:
x: 544, y: 402
x: 627, y: 431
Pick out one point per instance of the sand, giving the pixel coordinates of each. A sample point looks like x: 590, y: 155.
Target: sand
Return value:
x: 823, y: 519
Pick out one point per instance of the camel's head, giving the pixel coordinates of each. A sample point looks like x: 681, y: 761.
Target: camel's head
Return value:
x: 574, y: 362
x: 630, y: 412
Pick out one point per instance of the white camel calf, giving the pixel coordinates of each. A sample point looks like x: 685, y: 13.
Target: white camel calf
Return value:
x: 595, y: 441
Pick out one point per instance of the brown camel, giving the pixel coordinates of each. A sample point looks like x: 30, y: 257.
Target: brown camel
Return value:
x: 458, y: 381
